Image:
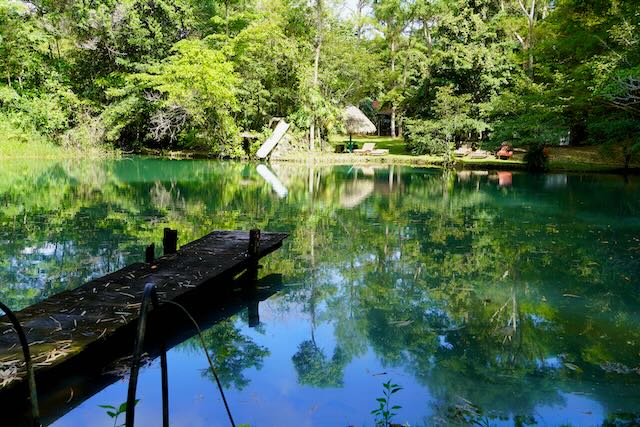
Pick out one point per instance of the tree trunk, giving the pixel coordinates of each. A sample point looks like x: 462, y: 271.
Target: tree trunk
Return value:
x: 393, y: 105
x: 226, y: 18
x: 312, y: 134
x: 530, y: 14
x: 578, y: 133
x: 359, y: 14
x: 393, y: 121
x: 404, y: 87
x: 427, y: 35
x: 316, y: 70
x: 530, y: 46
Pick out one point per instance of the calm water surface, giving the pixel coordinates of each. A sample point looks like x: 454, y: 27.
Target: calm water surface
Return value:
x: 491, y: 298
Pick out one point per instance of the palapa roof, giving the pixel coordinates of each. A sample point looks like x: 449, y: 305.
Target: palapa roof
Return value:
x: 357, y: 122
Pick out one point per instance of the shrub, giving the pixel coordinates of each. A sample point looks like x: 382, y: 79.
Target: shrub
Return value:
x: 537, y: 158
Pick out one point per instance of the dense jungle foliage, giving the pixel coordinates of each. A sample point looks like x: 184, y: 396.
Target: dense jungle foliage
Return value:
x: 195, y: 74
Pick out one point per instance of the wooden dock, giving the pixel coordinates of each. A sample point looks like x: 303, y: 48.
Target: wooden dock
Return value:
x: 102, y: 313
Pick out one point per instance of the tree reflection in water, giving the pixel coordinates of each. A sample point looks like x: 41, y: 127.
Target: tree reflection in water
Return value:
x: 505, y: 296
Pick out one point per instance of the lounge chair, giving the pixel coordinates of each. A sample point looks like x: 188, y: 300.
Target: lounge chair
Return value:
x: 462, y: 151
x: 505, y: 151
x: 479, y: 154
x: 370, y: 148
x: 379, y: 152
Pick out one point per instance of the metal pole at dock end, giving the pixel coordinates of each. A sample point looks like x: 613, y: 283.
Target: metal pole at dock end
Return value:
x: 150, y: 253
x: 31, y: 377
x: 149, y: 298
x: 170, y: 241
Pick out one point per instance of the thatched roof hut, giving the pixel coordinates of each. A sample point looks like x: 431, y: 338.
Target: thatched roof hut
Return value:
x: 357, y: 122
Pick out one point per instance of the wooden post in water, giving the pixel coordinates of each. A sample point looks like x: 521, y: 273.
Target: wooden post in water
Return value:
x: 150, y: 253
x: 254, y: 242
x: 170, y: 241
x: 254, y: 251
x: 252, y: 277
x: 254, y: 313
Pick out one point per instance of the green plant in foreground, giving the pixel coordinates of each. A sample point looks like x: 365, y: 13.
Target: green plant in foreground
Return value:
x: 384, y: 413
x: 114, y: 412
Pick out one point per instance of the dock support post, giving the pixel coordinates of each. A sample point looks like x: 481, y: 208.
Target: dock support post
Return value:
x: 254, y: 242
x: 170, y: 241
x: 254, y: 313
x: 150, y: 253
x: 252, y: 277
x: 254, y: 251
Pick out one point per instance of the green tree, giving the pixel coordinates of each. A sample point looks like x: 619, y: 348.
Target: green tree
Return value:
x: 393, y: 17
x: 192, y: 97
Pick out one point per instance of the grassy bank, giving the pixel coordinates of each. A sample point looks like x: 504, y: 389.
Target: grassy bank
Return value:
x: 20, y: 140
x: 36, y: 147
x: 588, y: 158
x: 19, y: 145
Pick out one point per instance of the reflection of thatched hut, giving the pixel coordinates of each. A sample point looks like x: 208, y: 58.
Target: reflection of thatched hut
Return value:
x: 356, y: 192
x: 357, y: 122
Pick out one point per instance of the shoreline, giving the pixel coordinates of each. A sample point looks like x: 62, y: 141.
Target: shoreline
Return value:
x: 339, y: 159
x: 435, y: 162
x: 459, y: 164
x: 563, y: 159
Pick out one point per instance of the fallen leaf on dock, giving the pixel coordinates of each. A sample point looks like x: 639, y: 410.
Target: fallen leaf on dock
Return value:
x: 8, y: 373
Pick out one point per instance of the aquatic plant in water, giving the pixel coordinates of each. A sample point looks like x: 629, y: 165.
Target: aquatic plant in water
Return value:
x: 384, y: 412
x: 114, y: 412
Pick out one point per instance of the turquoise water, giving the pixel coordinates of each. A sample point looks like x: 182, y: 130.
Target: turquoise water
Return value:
x: 491, y: 298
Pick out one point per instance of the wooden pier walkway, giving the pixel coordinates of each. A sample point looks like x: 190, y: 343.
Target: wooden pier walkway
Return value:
x: 98, y: 314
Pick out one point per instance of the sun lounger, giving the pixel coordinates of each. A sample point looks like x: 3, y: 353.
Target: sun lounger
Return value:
x: 367, y: 148
x: 370, y: 148
x: 505, y: 151
x: 479, y: 154
x: 462, y: 151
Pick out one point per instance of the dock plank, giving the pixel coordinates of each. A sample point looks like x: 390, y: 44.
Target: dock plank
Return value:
x: 62, y: 326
